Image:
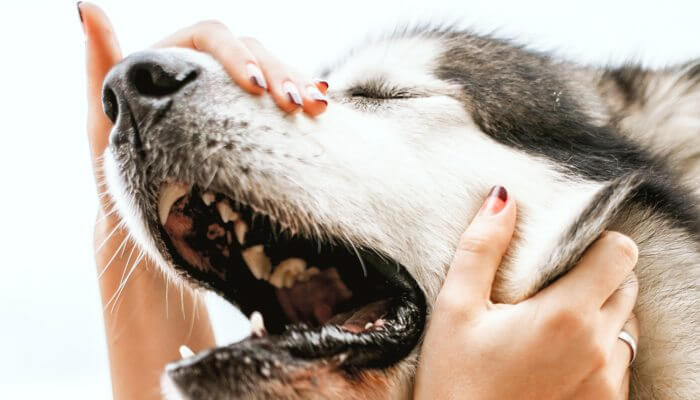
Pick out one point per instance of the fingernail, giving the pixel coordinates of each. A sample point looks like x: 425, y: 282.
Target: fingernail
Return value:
x: 292, y: 92
x: 80, y: 13
x: 495, y: 202
x: 316, y: 94
x: 256, y: 76
x: 322, y: 83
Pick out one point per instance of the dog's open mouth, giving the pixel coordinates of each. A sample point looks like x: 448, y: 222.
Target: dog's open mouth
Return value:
x: 309, y: 300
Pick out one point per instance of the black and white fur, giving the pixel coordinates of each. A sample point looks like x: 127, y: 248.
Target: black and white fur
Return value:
x: 419, y: 126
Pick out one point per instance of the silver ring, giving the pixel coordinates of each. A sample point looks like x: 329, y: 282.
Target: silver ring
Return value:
x: 631, y: 342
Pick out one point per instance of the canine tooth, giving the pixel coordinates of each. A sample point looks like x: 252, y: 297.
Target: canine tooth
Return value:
x: 186, y: 352
x: 257, y: 324
x: 240, y: 228
x: 258, y: 263
x: 169, y: 194
x: 368, y: 325
x: 208, y: 198
x: 226, y: 213
x: 287, y: 272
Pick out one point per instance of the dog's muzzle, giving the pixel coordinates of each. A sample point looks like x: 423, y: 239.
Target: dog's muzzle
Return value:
x: 139, y: 91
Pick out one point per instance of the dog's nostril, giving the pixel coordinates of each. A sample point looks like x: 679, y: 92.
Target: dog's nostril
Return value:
x: 153, y: 80
x: 110, y: 104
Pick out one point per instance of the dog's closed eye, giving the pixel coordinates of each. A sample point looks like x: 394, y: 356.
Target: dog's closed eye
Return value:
x: 381, y: 90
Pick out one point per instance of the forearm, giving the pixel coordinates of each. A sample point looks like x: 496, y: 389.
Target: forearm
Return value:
x: 146, y: 319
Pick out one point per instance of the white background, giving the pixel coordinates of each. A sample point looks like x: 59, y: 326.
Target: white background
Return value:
x: 51, y: 338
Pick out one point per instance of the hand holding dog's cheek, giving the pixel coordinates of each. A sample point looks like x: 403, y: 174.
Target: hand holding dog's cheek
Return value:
x: 252, y: 67
x: 551, y: 346
x: 142, y: 298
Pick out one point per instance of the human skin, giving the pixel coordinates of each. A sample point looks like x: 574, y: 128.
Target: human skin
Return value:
x: 152, y: 317
x: 149, y: 318
x: 559, y: 344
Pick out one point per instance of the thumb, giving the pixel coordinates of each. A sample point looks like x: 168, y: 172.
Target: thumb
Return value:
x: 480, y: 250
x: 102, y: 52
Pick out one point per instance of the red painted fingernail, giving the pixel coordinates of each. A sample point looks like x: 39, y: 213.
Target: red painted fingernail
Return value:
x: 321, y: 85
x: 496, y: 201
x: 80, y: 13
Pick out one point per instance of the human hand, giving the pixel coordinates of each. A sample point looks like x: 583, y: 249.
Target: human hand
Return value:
x: 144, y: 326
x: 252, y: 67
x: 559, y: 344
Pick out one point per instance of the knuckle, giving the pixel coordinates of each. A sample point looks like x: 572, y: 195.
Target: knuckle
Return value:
x: 568, y: 320
x: 471, y: 243
x: 624, y: 247
x: 251, y: 41
x: 210, y: 24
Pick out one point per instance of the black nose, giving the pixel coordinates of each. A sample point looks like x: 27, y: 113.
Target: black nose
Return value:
x: 143, y: 83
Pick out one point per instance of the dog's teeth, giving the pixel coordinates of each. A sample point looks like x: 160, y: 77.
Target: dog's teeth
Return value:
x: 277, y: 280
x: 307, y: 274
x: 289, y: 280
x: 185, y: 352
x: 287, y: 272
x: 368, y: 325
x: 240, y: 228
x: 208, y: 198
x: 225, y: 211
x: 341, y: 357
x: 257, y: 324
x: 169, y: 194
x: 258, y: 263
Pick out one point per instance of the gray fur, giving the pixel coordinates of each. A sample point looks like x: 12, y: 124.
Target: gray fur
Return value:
x: 405, y: 175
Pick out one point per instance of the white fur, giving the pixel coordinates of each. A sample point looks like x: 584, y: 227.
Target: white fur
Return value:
x: 382, y: 180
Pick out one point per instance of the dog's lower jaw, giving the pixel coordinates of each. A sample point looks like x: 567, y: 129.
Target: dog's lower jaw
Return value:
x: 393, y: 383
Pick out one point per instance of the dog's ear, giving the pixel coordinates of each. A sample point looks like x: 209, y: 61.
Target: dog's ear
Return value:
x: 594, y: 219
x: 541, y: 256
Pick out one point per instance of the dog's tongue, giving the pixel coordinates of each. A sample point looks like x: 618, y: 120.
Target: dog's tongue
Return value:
x: 316, y: 299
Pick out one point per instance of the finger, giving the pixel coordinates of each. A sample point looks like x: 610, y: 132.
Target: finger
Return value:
x: 625, y: 386
x: 617, y: 309
x: 622, y: 353
x: 102, y: 52
x: 214, y: 38
x: 288, y: 89
x: 322, y: 86
x: 481, y: 248
x: 601, y: 270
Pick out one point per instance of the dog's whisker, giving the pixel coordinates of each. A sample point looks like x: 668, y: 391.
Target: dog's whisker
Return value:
x: 123, y: 283
x: 118, y: 226
x: 113, y: 257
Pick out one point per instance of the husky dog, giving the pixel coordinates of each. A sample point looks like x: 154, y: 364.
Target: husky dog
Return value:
x: 335, y: 233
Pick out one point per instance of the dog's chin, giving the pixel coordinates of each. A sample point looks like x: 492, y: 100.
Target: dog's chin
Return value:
x: 323, y: 312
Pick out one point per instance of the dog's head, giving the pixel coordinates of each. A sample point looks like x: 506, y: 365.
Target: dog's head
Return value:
x: 338, y: 230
